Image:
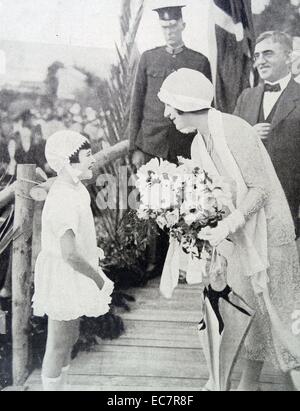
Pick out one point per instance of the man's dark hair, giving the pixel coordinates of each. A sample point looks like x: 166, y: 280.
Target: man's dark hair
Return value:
x: 74, y: 158
x: 278, y: 37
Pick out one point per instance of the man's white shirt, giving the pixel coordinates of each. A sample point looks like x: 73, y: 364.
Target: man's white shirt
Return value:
x: 271, y: 98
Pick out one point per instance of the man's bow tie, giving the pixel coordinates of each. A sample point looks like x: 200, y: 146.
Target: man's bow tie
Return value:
x: 272, y: 88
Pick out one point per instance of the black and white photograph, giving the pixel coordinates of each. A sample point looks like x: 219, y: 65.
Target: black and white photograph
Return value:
x: 150, y: 198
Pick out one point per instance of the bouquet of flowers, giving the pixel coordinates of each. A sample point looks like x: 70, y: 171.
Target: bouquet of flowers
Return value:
x: 183, y: 199
x: 186, y: 200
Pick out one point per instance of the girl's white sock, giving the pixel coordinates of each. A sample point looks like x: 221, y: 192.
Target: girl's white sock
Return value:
x: 52, y: 384
x: 65, y: 379
x: 295, y: 375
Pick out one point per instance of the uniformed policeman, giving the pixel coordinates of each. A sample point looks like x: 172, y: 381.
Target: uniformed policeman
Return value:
x: 151, y: 134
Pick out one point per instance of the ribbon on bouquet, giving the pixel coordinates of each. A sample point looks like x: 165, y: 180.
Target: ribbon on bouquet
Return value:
x: 177, y: 260
x: 196, y: 269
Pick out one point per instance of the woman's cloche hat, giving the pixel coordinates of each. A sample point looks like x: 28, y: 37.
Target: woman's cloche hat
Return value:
x: 187, y: 90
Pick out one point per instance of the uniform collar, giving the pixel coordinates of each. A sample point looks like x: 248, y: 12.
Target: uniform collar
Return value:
x: 174, y: 51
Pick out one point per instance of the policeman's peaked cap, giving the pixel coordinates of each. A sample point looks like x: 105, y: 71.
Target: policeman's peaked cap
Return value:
x: 169, y: 9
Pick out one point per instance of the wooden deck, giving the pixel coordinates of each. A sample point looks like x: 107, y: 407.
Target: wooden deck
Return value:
x: 160, y: 350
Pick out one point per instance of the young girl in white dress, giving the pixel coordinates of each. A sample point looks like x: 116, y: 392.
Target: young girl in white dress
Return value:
x: 68, y: 281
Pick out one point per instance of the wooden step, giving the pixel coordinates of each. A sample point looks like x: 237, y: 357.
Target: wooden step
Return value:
x: 159, y: 351
x: 157, y: 334
x: 124, y: 383
x: 156, y: 282
x: 132, y: 384
x: 152, y: 362
x: 149, y: 305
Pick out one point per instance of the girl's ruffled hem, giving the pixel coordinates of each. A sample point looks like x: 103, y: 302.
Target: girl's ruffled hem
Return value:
x: 40, y: 310
x: 64, y: 294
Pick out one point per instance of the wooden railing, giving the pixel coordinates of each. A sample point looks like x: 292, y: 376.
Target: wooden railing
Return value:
x: 29, y: 201
x: 22, y: 272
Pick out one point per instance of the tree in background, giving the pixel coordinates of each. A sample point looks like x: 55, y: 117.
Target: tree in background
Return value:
x: 277, y: 15
x: 52, y: 82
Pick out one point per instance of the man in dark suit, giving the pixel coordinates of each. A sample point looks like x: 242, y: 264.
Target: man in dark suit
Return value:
x: 273, y: 108
x: 151, y: 134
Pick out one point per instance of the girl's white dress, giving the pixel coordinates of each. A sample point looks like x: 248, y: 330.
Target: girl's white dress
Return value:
x: 60, y: 292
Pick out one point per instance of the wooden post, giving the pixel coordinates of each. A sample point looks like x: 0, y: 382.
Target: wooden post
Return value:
x: 21, y: 273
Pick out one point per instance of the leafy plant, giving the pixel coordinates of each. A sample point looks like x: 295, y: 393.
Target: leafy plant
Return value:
x: 7, y: 233
x: 124, y: 243
x: 279, y: 15
x: 125, y: 252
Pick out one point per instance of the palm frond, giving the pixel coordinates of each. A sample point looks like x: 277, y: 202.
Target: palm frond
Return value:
x: 7, y: 239
x: 6, y: 221
x: 115, y: 106
x: 6, y: 211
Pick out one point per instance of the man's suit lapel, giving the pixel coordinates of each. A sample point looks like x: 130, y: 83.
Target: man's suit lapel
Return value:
x: 255, y: 100
x: 287, y: 103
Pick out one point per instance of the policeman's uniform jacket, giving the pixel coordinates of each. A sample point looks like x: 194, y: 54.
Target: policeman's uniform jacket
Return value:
x: 149, y: 130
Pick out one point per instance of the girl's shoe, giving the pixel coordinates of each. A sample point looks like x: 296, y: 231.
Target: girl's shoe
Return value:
x: 52, y: 384
x: 295, y: 376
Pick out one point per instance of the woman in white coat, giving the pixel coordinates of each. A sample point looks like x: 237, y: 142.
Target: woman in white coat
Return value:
x: 264, y: 267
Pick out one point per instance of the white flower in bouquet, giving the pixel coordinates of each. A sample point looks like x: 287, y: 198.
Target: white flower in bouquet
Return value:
x: 172, y: 218
x: 156, y: 168
x: 151, y: 167
x: 222, y: 199
x: 183, y: 199
x: 194, y: 193
x: 142, y: 182
x: 161, y: 221
x: 178, y: 182
x: 168, y: 169
x: 152, y: 197
x: 188, y: 206
x: 191, y: 217
x: 208, y: 204
x: 168, y: 194
x: 186, y: 165
x: 147, y: 175
x: 143, y: 212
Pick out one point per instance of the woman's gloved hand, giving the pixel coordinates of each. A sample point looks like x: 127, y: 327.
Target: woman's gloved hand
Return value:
x: 225, y: 227
x: 215, y: 235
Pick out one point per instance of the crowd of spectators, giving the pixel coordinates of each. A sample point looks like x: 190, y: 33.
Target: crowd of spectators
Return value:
x: 23, y: 135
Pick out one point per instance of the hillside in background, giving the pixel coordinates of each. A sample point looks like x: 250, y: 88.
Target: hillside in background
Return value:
x: 29, y: 61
